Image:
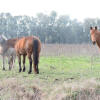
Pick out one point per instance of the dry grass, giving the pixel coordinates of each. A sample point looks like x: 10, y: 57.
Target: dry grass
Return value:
x: 18, y: 89
x: 69, y: 50
x: 84, y: 90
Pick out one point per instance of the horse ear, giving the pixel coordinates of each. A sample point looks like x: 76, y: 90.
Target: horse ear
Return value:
x: 4, y: 37
x: 95, y: 27
x: 91, y: 28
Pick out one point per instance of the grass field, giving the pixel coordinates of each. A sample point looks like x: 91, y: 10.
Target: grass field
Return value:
x: 60, y: 78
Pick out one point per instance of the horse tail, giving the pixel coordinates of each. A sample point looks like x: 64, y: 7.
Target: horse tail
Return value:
x: 36, y: 54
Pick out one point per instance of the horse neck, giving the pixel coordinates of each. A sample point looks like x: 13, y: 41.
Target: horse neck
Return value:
x: 11, y: 42
x: 97, y: 36
x: 3, y: 43
x: 3, y: 49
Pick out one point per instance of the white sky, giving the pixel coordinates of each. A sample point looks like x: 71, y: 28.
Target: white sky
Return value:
x: 78, y: 9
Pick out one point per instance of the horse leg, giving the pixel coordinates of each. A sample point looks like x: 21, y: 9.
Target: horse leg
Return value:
x: 14, y: 57
x: 30, y: 61
x: 3, y: 62
x: 37, y: 69
x: 13, y: 61
x: 9, y: 62
x: 19, y: 60
x: 24, y: 56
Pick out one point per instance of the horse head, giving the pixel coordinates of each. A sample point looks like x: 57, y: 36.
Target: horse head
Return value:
x: 93, y: 32
x: 3, y: 38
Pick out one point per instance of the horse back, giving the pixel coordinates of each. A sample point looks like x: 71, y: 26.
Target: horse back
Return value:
x: 8, y: 44
x: 11, y: 42
x: 25, y: 45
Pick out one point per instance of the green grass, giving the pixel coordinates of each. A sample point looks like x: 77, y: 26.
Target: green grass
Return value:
x: 55, y: 75
x: 69, y: 67
x: 62, y: 68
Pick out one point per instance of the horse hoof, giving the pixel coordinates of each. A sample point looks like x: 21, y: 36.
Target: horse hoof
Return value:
x: 29, y: 72
x: 3, y: 69
x: 36, y: 72
x: 20, y: 70
x: 9, y: 68
x: 23, y: 69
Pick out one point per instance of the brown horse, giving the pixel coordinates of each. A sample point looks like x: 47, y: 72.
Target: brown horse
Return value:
x: 28, y: 46
x: 7, y: 50
x: 95, y: 35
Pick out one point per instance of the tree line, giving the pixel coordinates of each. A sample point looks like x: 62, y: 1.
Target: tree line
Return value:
x: 49, y: 28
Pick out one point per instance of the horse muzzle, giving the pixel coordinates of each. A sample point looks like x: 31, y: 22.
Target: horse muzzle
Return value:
x: 94, y: 42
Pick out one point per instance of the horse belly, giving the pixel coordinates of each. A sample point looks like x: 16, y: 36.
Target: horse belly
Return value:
x: 22, y: 51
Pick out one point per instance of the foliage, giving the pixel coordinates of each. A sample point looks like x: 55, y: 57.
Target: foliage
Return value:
x: 50, y: 28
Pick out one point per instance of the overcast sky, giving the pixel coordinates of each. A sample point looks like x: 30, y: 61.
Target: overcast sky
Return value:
x: 78, y: 9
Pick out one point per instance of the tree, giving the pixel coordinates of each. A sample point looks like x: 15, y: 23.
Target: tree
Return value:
x: 49, y: 28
